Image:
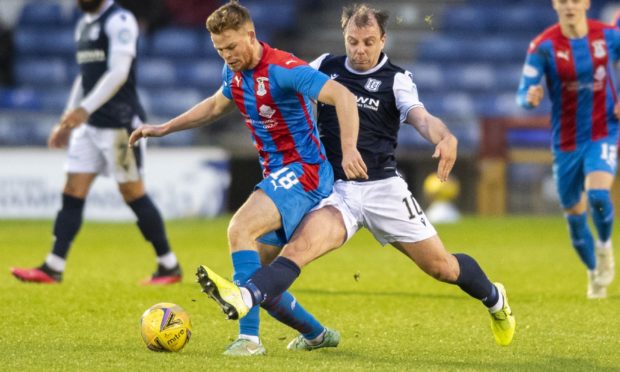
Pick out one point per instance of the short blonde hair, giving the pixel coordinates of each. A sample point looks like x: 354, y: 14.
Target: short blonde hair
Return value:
x: 230, y: 16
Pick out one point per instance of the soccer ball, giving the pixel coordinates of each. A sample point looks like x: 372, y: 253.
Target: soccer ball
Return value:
x: 165, y: 327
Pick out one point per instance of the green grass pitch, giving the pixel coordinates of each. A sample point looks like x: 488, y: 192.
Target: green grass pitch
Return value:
x: 393, y: 317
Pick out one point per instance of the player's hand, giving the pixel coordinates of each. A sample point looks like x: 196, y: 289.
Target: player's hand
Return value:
x: 59, y: 137
x: 353, y: 164
x: 146, y: 130
x: 445, y: 151
x: 74, y: 118
x: 535, y: 94
x: 617, y: 110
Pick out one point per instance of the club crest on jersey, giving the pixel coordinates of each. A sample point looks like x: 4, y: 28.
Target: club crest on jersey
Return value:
x: 372, y: 85
x: 261, y: 91
x: 599, y: 48
x: 94, y: 31
x: 266, y: 111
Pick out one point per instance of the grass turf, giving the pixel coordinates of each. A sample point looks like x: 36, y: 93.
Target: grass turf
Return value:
x: 390, y: 314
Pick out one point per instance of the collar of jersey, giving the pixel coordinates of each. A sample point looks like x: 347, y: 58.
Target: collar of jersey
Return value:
x: 372, y: 70
x: 92, y: 17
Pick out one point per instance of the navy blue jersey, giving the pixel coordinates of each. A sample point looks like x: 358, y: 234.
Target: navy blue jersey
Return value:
x: 385, y: 94
x: 95, y: 38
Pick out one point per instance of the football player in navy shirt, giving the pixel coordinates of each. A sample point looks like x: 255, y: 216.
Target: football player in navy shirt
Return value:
x: 272, y: 89
x: 576, y: 57
x: 382, y: 203
x: 102, y: 110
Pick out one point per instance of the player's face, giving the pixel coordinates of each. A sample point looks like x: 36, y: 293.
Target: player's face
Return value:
x: 363, y: 45
x: 571, y: 12
x: 89, y: 6
x: 236, y: 47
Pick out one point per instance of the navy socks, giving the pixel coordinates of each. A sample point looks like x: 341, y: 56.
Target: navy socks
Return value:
x: 67, y: 224
x: 272, y: 280
x: 150, y: 224
x: 474, y: 282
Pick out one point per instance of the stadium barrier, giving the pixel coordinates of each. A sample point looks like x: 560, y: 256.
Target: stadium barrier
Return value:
x: 517, y: 141
x: 182, y: 182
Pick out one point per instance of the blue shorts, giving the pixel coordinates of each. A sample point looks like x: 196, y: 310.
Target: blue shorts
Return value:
x: 295, y: 189
x: 570, y: 168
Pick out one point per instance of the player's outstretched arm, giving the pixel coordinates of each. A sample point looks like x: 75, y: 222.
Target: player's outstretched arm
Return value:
x: 336, y: 94
x: 437, y: 133
x: 531, y: 92
x: 203, y: 113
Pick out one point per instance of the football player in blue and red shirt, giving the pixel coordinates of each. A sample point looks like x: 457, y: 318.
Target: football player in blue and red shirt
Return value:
x: 576, y: 57
x: 272, y: 89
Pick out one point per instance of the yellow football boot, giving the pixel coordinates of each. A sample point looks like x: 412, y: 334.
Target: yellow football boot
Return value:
x: 503, y: 323
x: 225, y: 293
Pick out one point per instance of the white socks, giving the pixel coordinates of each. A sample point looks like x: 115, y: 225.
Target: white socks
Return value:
x: 169, y: 260
x: 500, y: 302
x: 254, y: 339
x: 55, y: 263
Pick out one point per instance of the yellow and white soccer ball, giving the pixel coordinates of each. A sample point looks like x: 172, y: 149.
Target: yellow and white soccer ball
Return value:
x: 165, y: 327
x: 435, y: 190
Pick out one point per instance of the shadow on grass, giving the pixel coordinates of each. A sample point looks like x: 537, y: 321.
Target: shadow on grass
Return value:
x: 377, y: 294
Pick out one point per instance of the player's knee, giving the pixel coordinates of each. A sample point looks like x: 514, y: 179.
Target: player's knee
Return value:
x: 297, y: 251
x: 598, y: 198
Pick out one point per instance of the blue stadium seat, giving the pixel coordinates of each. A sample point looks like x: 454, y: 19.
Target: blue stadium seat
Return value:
x: 54, y: 100
x: 470, y: 77
x: 440, y: 49
x: 507, y: 77
x: 172, y: 102
x: 41, y: 13
x: 176, y: 42
x: 427, y: 77
x: 156, y: 73
x: 41, y: 72
x: 44, y: 41
x: 273, y: 15
x: 463, y: 19
x: 19, y: 99
x: 205, y: 74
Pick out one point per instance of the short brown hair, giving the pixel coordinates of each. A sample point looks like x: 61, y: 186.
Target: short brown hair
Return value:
x: 230, y: 16
x: 362, y: 15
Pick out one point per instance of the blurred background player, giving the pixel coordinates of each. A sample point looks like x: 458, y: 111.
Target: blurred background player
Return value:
x: 103, y: 108
x: 272, y: 90
x: 576, y: 57
x: 382, y: 203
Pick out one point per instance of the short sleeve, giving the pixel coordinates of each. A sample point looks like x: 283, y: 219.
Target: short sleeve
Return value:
x: 225, y: 83
x: 302, y: 79
x: 405, y: 94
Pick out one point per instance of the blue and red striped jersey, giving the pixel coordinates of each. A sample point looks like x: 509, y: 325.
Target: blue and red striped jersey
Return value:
x: 274, y: 98
x: 580, y: 82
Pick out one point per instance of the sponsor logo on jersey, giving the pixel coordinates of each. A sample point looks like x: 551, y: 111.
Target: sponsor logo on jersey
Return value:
x: 599, y: 48
x: 261, y: 91
x: 90, y: 56
x: 530, y: 71
x: 266, y: 111
x: 372, y: 85
x: 600, y: 73
x: 563, y: 54
x: 368, y: 103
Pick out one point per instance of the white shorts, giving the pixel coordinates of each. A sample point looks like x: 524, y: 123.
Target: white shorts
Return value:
x: 385, y: 207
x: 104, y: 151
